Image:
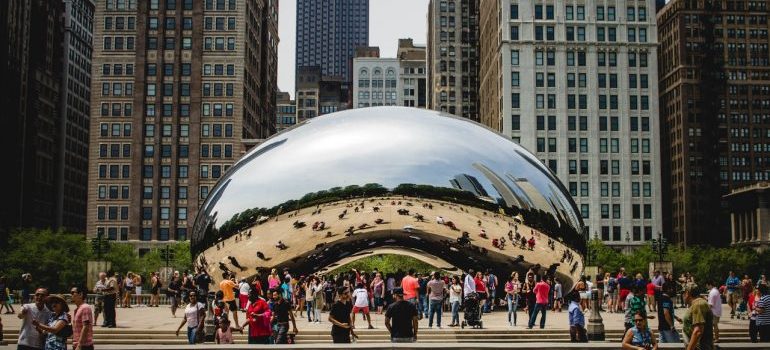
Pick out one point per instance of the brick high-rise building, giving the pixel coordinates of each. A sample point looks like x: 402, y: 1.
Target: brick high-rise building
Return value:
x: 715, y: 112
x: 179, y: 86
x: 453, y: 57
x: 45, y: 64
x: 576, y: 84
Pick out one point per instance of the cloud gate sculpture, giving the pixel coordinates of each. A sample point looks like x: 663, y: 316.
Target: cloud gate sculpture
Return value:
x: 389, y: 179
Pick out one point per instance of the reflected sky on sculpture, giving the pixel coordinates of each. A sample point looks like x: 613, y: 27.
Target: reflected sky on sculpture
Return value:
x: 386, y: 152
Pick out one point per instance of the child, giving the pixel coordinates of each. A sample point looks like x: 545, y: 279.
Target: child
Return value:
x: 577, y: 321
x: 225, y: 332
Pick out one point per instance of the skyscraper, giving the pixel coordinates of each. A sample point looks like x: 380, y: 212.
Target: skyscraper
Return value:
x: 179, y: 88
x: 328, y: 33
x: 576, y: 85
x: 453, y: 57
x: 715, y: 108
x: 45, y: 70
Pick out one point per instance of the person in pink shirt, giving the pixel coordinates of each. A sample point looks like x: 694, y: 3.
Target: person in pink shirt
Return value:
x: 83, y: 321
x: 410, y: 286
x: 541, y: 291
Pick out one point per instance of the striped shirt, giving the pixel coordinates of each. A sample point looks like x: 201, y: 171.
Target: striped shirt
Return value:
x: 764, y: 317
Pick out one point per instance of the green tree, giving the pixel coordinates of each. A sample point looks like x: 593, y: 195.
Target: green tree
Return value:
x: 385, y: 263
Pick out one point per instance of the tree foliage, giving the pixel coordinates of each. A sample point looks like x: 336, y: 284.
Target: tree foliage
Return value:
x: 704, y: 262
x: 385, y: 263
x: 58, y: 260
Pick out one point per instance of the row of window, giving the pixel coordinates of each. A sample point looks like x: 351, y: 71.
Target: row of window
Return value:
x: 603, y: 13
x: 117, y: 89
x: 605, y: 123
x: 617, y: 235
x: 377, y: 83
x: 572, y: 33
x: 113, y: 192
x: 114, y: 150
x: 148, y: 171
x: 378, y: 95
x: 164, y: 213
x: 118, y: 43
x: 185, y: 69
x: 164, y: 192
x: 169, y: 43
x: 115, y: 130
x: 167, y: 110
x: 215, y: 151
x: 169, y: 23
x: 219, y: 23
x: 166, y: 130
x: 112, y: 233
x: 219, y: 89
x: 117, y: 69
x: 183, y: 151
x: 218, y: 43
x: 646, y: 189
x: 614, y: 145
x: 119, y: 23
x: 578, y: 58
x: 111, y: 213
x: 114, y: 171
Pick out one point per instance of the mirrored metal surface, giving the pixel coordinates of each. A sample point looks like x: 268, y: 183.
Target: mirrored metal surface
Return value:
x: 389, y: 177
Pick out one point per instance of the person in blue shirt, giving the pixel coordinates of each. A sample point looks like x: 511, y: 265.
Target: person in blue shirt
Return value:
x: 577, y: 321
x: 733, y: 292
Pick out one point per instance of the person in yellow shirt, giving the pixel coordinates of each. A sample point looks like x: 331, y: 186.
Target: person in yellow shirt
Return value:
x: 228, y: 286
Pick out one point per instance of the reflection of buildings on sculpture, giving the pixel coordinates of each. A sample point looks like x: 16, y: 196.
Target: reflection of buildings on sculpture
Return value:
x: 501, y: 186
x: 468, y: 183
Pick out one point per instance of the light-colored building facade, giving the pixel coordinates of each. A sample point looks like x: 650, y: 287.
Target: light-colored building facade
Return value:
x: 453, y: 57
x: 576, y: 84
x: 375, y: 82
x: 285, y: 112
x: 178, y: 86
x: 412, y: 78
x: 750, y: 216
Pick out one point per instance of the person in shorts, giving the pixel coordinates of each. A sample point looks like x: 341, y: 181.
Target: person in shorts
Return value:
x: 361, y: 304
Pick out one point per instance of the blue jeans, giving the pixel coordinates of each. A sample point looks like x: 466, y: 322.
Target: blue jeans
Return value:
x: 541, y: 309
x: 455, y: 312
x: 191, y: 331
x: 309, y: 307
x: 422, y: 308
x: 513, y: 304
x: 435, y: 308
x: 490, y: 305
x: 668, y: 337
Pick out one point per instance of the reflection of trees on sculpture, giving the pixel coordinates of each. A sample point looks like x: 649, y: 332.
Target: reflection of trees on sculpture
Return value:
x: 538, y: 219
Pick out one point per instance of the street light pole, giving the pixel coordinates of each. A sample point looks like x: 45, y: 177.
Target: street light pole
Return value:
x: 595, y: 328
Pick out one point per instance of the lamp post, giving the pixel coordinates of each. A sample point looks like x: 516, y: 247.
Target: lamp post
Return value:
x: 660, y: 246
x: 595, y: 328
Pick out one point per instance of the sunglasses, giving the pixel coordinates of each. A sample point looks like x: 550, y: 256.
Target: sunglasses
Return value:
x: 638, y: 320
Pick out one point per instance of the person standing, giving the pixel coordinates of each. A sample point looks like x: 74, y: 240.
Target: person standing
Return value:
x: 361, y: 303
x: 762, y: 307
x: 339, y: 316
x: 318, y: 298
x: 422, y: 291
x: 194, y: 317
x: 55, y: 339
x: 658, y: 280
x: 541, y: 291
x: 492, y: 284
x: 378, y: 289
x: 4, y: 300
x: 715, y: 303
x: 753, y: 331
x: 651, y: 305
x: 155, y: 285
x: 639, y: 337
x: 36, y: 312
x: 558, y: 296
x: 469, y: 285
x: 577, y: 321
x: 281, y: 316
x: 101, y: 285
x: 481, y: 291
x: 82, y: 321
x: 227, y: 286
x: 202, y: 282
x: 732, y: 283
x: 512, y: 297
x: 401, y: 319
x: 455, y: 298
x: 173, y: 292
x: 243, y: 293
x: 435, y: 290
x: 410, y: 287
x: 697, y: 322
x: 258, y: 317
x: 128, y: 289
x: 666, y: 328
x: 110, y: 299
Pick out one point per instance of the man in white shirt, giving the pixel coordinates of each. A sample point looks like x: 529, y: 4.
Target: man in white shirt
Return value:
x: 715, y: 303
x: 361, y: 303
x: 29, y: 337
x: 469, y: 285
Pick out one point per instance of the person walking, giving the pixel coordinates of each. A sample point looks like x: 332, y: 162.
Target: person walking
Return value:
x: 110, y: 299
x: 194, y: 317
x: 228, y: 287
x: 55, y: 330
x: 318, y: 298
x: 243, y: 294
x: 753, y: 331
x: 733, y: 284
x: 639, y: 337
x: 715, y: 303
x: 339, y: 316
x: 173, y: 292
x: 258, y: 319
x: 401, y: 319
x: 4, y: 296
x: 492, y: 284
x: 762, y: 307
x: 82, y: 321
x: 455, y: 298
x: 436, y: 289
x: 202, y: 282
x: 128, y: 289
x: 36, y: 312
x: 481, y: 291
x: 281, y: 316
x: 698, y: 321
x: 577, y: 321
x: 558, y: 296
x: 541, y: 291
x: 155, y: 285
x: 666, y: 328
x: 512, y: 297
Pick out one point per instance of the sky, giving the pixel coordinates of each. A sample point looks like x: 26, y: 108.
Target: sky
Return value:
x: 389, y: 20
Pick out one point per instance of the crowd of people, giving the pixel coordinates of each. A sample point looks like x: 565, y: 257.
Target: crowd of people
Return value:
x: 271, y: 305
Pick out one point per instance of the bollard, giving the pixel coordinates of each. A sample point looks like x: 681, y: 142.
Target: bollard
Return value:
x: 595, y: 327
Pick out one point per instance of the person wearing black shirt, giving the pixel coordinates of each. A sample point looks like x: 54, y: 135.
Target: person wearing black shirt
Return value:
x: 339, y: 316
x: 403, y: 316
x: 281, y: 316
x: 202, y: 281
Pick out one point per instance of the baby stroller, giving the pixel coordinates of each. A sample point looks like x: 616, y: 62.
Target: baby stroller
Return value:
x: 742, y: 311
x: 472, y: 316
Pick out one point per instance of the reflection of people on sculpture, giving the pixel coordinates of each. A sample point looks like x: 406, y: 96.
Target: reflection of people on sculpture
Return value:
x: 451, y: 225
x: 376, y: 209
x: 531, y: 243
x: 483, y: 234
x: 299, y: 224
x: 403, y: 212
x: 439, y: 220
x: 235, y: 263
x: 280, y: 245
x: 329, y: 233
x: 379, y: 221
x: 349, y: 231
x: 419, y: 217
x: 261, y: 255
x: 224, y: 267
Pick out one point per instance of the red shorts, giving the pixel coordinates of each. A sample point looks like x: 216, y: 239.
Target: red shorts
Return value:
x: 244, y: 299
x: 623, y: 295
x: 365, y: 309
